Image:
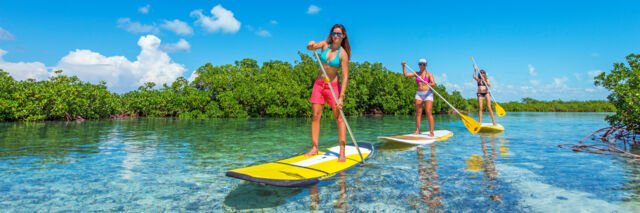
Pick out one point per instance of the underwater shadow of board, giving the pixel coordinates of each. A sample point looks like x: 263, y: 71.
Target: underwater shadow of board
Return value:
x: 394, y: 146
x: 250, y: 196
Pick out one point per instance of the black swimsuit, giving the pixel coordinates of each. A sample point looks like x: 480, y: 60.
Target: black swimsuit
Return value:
x: 481, y: 94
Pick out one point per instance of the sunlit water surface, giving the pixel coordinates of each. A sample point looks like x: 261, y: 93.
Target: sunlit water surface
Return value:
x: 150, y: 165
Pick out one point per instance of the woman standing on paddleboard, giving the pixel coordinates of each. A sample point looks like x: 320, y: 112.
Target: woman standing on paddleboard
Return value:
x: 336, y: 53
x: 424, y: 96
x: 483, y: 92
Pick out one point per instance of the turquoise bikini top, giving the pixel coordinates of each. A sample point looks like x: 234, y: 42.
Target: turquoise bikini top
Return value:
x: 335, y: 62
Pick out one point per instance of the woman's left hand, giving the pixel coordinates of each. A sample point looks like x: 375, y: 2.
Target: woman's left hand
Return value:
x: 339, y: 104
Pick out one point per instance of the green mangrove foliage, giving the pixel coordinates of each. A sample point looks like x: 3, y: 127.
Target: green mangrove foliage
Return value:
x: 59, y: 98
x: 244, y: 89
x: 624, y: 84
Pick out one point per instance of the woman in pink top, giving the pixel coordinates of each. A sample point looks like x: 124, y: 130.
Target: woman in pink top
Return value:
x: 424, y: 95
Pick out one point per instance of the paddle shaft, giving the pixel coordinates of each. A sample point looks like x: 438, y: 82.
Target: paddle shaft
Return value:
x: 445, y: 100
x: 482, y: 78
x: 335, y: 98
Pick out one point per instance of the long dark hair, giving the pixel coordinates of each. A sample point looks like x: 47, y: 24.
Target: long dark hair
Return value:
x: 345, y: 40
x: 480, y: 75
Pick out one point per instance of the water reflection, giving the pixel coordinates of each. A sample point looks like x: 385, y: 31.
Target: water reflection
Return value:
x: 340, y: 205
x: 48, y: 143
x: 632, y: 180
x: 429, y: 187
x: 487, y: 163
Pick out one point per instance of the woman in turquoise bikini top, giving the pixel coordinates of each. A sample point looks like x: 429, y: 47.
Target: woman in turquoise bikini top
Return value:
x: 336, y: 60
x: 335, y: 57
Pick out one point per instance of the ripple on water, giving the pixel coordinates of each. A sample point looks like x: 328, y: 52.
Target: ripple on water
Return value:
x: 178, y: 165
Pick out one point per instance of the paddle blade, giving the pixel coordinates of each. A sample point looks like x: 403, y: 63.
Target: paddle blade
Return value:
x: 499, y: 110
x: 472, y: 125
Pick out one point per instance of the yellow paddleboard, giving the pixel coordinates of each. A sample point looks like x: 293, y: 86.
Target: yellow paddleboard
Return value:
x: 489, y: 127
x: 419, y: 139
x: 303, y: 171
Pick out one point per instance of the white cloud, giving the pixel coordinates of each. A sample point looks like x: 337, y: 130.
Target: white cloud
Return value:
x: 144, y: 10
x: 313, y: 9
x: 193, y: 76
x: 594, y: 73
x: 22, y: 71
x: 559, y: 82
x: 578, y: 76
x: 443, y: 79
x: 534, y: 82
x: 273, y: 22
x: 136, y: 27
x: 532, y: 70
x: 528, y: 89
x: 177, y: 26
x: 181, y: 45
x: 6, y: 35
x: 151, y: 65
x: 556, y: 88
x: 263, y: 33
x: 221, y: 20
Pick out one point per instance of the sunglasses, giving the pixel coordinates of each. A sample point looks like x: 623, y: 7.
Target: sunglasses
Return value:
x: 336, y: 34
x: 422, y: 64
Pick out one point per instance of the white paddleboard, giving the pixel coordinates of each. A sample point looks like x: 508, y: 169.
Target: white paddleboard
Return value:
x: 489, y: 127
x: 419, y: 139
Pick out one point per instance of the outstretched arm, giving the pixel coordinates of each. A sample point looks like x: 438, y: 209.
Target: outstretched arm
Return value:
x: 312, y: 45
x: 475, y: 69
x: 404, y: 70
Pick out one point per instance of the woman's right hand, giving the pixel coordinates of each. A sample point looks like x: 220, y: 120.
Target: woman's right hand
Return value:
x: 311, y: 45
x: 475, y: 67
x: 404, y: 64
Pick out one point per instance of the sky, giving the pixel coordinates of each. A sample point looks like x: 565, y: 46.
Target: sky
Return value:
x: 547, y: 50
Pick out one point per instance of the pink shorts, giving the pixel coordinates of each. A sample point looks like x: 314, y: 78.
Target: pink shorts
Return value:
x: 322, y: 93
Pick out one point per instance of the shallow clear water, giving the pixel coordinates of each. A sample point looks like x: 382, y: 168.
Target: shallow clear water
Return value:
x: 178, y: 165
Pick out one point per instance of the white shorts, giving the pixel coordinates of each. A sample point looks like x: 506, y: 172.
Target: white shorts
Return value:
x: 424, y: 95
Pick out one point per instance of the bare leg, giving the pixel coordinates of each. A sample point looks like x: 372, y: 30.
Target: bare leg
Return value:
x: 480, y: 109
x: 418, y: 116
x: 489, y: 107
x: 342, y: 129
x: 315, y: 129
x: 428, y: 106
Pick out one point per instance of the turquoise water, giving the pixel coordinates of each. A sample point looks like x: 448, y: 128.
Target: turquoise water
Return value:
x: 156, y: 165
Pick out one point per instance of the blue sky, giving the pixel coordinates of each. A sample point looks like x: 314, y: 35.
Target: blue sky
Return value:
x: 544, y: 49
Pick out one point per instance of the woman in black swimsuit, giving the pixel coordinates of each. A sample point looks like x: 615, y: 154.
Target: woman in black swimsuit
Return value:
x: 483, y: 92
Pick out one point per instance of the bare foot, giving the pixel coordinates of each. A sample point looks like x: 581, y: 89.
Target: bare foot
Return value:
x: 342, y: 159
x: 431, y: 134
x: 313, y: 151
x: 417, y: 132
x: 494, y: 123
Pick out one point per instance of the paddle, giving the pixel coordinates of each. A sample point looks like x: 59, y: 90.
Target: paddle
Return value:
x: 326, y: 78
x: 499, y: 110
x: 472, y: 125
